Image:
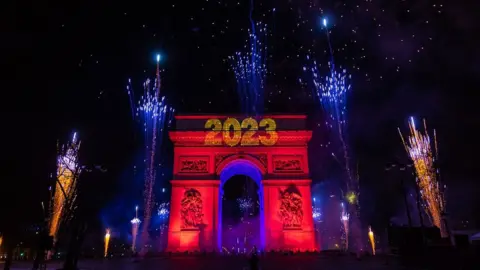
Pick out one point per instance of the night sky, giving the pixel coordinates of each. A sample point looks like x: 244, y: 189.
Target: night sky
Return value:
x: 68, y: 65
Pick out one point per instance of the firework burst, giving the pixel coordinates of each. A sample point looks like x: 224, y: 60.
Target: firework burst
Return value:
x: 332, y: 92
x: 316, y: 214
x: 245, y: 203
x: 155, y: 116
x: 424, y: 153
x: 68, y: 171
x: 163, y: 210
x: 250, y: 70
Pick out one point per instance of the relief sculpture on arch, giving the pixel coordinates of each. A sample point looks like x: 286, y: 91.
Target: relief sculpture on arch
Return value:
x: 291, y: 209
x: 191, y: 209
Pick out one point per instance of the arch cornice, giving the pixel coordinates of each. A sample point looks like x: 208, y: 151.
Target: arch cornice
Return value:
x: 245, y: 157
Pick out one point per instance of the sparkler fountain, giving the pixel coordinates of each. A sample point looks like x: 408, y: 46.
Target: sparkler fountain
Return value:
x: 68, y: 171
x: 135, y: 224
x: 163, y: 213
x: 371, y: 236
x: 424, y: 153
x: 332, y: 92
x: 317, y: 219
x: 345, y: 218
x: 154, y: 114
x: 106, y: 242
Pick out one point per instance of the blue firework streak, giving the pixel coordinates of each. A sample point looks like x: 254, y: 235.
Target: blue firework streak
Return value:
x: 332, y: 92
x: 250, y: 70
x: 316, y: 214
x: 164, y: 210
x: 155, y: 116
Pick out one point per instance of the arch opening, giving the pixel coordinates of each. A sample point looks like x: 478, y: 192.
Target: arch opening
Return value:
x: 241, y: 216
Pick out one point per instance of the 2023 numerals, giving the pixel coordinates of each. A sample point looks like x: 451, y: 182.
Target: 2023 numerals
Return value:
x: 232, y: 132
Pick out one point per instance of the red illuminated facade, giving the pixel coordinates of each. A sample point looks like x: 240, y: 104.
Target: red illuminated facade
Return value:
x: 280, y: 170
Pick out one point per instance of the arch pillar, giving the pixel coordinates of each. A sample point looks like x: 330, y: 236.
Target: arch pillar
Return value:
x: 202, y: 236
x: 278, y: 236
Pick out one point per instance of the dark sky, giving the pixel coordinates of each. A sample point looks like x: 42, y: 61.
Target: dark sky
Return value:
x: 68, y: 65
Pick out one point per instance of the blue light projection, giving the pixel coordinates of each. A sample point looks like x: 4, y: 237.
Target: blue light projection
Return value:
x: 246, y: 168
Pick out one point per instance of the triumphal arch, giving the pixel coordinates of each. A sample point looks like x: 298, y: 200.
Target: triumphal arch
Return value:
x: 271, y: 150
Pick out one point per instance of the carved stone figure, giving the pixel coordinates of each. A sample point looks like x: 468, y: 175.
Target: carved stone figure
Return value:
x: 191, y: 210
x: 291, y: 212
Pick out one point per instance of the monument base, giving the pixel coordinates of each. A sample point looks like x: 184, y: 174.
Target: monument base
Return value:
x: 187, y: 240
x: 299, y: 240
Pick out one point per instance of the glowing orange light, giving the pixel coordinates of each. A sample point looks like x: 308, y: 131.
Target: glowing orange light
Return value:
x: 371, y: 236
x: 107, y: 242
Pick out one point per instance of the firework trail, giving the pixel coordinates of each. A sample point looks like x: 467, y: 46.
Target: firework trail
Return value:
x: 131, y: 97
x: 155, y: 116
x: 245, y: 203
x: 107, y: 242
x: 135, y: 224
x: 250, y: 69
x: 163, y: 210
x: 371, y: 236
x: 424, y: 153
x: 68, y: 171
x: 316, y: 212
x: 332, y: 92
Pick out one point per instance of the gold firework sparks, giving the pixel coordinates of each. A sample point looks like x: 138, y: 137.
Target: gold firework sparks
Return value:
x: 64, y: 194
x: 371, y: 236
x: 107, y: 242
x: 424, y: 153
